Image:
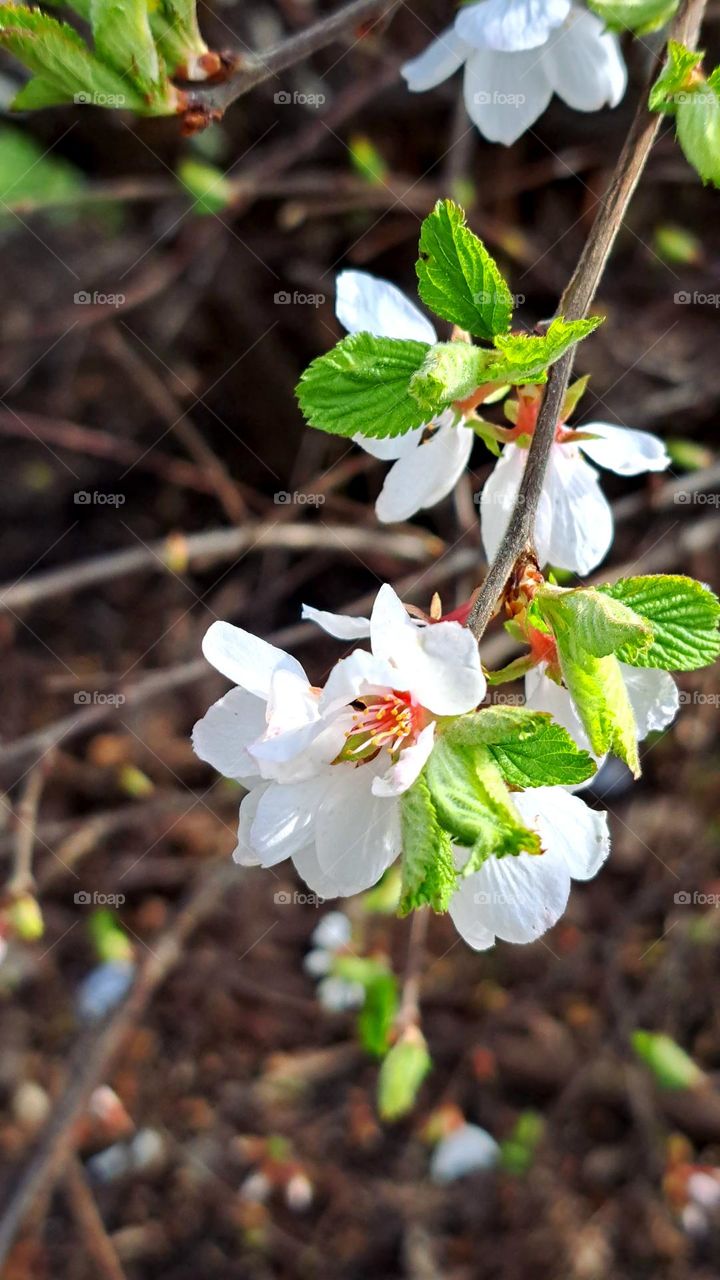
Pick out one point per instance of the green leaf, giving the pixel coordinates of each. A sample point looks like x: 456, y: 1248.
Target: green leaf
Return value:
x: 123, y: 39
x: 175, y: 28
x: 37, y: 93
x: 28, y: 173
x: 376, y: 1018
x: 640, y: 16
x: 457, y: 278
x: 670, y: 1065
x: 697, y: 121
x: 450, y: 371
x: 58, y: 56
x: 428, y: 869
x: 675, y: 76
x: 402, y: 1074
x: 474, y: 805
x: 361, y: 387
x: 600, y: 624
x: 528, y: 747
x: 525, y: 357
x: 683, y: 615
x: 211, y: 190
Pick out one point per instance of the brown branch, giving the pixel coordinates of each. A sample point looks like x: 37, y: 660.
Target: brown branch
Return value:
x: 574, y: 304
x: 409, y: 1012
x: 98, y: 1245
x: 253, y: 69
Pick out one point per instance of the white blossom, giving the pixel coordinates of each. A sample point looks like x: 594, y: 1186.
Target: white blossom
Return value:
x: 429, y: 460
x: 516, y: 54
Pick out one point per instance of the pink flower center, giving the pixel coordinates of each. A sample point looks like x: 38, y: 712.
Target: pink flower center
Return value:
x: 391, y: 720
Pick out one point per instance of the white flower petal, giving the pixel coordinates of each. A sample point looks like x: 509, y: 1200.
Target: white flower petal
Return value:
x: 388, y: 450
x: 654, y: 697
x: 244, y: 854
x: 284, y: 819
x: 401, y: 775
x: 582, y: 524
x: 244, y: 658
x: 463, y: 1151
x: 498, y: 497
x: 227, y: 729
x: 333, y: 932
x: 584, y: 63
x: 357, y: 834
x: 367, y: 304
x: 624, y: 450
x: 427, y: 474
x: 510, y: 25
x: 516, y: 899
x: 440, y: 60
x: 359, y: 674
x: 567, y: 826
x: 342, y: 626
x: 505, y: 92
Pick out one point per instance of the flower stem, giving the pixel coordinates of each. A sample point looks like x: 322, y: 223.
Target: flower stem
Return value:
x: 574, y: 304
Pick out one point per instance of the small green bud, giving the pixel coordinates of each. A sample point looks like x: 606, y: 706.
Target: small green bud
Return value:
x: 450, y: 371
x: 670, y: 1065
x: 25, y: 918
x: 210, y: 189
x: 402, y: 1074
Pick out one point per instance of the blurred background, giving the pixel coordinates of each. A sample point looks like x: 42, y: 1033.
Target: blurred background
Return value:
x: 179, y: 1097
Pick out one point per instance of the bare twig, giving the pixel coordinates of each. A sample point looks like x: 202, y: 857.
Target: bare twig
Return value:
x: 409, y: 1011
x: 254, y: 69
x: 574, y: 304
x: 22, y: 879
x: 99, y: 1246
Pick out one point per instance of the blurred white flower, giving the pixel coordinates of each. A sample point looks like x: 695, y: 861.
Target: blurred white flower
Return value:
x: 463, y: 1151
x: 428, y: 461
x: 516, y: 54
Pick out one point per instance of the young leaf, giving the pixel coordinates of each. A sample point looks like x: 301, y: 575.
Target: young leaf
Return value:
x: 528, y: 747
x: 402, y: 1074
x: 525, y: 357
x: 376, y: 1018
x: 697, y: 121
x: 361, y: 387
x: 175, y: 28
x: 684, y: 617
x: 450, y: 371
x: 601, y: 699
x: 671, y: 1066
x: 123, y: 39
x: 211, y: 190
x: 675, y: 76
x: 474, y: 805
x: 640, y: 16
x: 457, y: 278
x: 428, y: 870
x: 598, y: 626
x: 57, y: 55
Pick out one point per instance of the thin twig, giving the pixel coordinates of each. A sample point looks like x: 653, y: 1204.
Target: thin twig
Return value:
x: 99, y: 1246
x: 409, y: 1011
x: 255, y: 68
x: 575, y: 301
x: 22, y: 879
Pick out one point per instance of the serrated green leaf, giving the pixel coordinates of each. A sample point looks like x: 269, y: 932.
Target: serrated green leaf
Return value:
x: 474, y: 805
x: 57, y: 55
x: 457, y: 277
x: 402, y: 1074
x: 640, y: 16
x: 450, y: 371
x: 671, y: 1066
x: 528, y: 747
x: 361, y: 387
x: 598, y: 626
x: 428, y: 869
x: 697, y: 121
x: 674, y: 77
x: 684, y: 617
x: 525, y: 357
x: 123, y: 40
